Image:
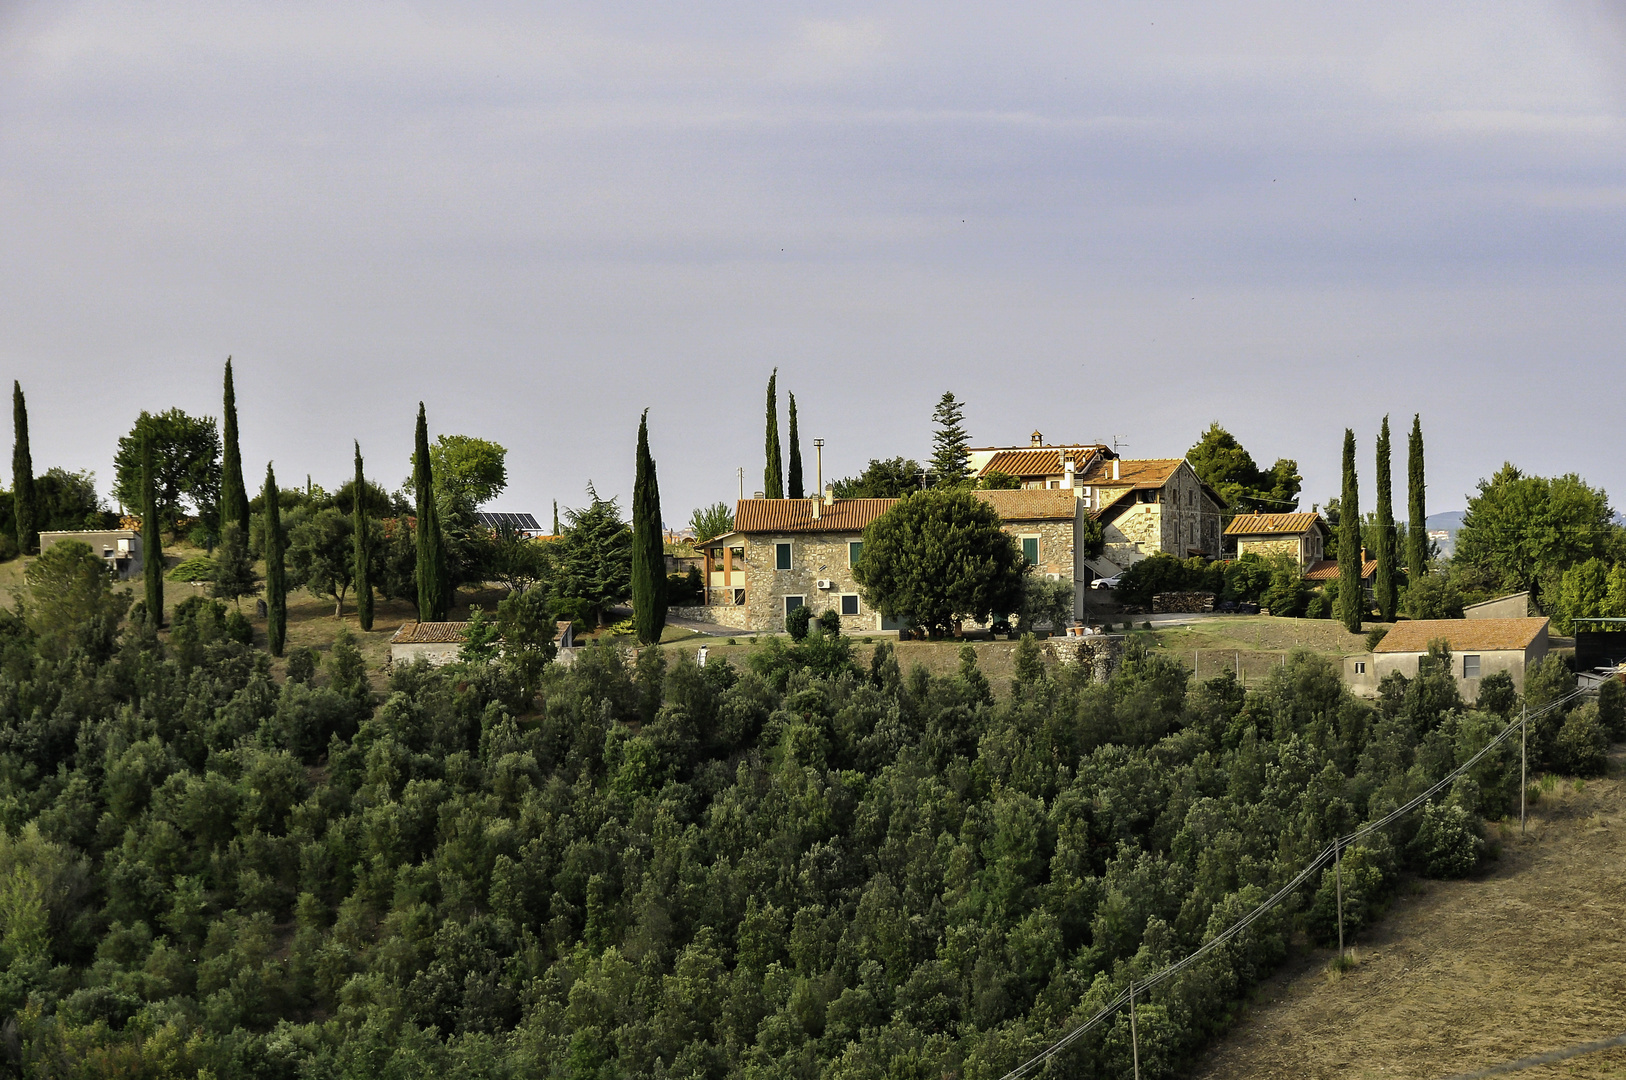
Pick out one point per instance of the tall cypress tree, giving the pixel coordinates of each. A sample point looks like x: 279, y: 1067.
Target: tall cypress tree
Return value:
x: 648, y: 547
x: 364, y: 552
x: 773, y: 474
x: 276, y: 581
x: 233, y: 492
x: 25, y: 501
x: 793, y: 480
x: 432, y: 590
x: 152, y: 548
x: 1387, y: 587
x: 1416, y: 510
x: 1351, y: 598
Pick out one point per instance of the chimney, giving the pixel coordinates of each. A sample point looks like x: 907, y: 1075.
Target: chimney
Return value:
x: 1070, y: 468
x: 816, y: 506
x: 1036, y: 439
x: 756, y: 495
x: 1115, y: 468
x: 829, y: 496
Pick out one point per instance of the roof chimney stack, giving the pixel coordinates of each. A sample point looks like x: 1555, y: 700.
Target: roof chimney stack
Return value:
x: 1037, y: 439
x: 1115, y: 473
x: 829, y: 495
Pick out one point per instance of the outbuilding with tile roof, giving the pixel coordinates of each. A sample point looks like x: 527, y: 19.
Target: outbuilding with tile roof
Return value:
x: 1479, y: 647
x: 437, y: 642
x: 1301, y: 535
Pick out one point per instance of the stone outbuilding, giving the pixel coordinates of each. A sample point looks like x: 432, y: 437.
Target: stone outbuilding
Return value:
x: 120, y: 549
x: 1479, y: 647
x: 437, y: 642
x: 1301, y: 535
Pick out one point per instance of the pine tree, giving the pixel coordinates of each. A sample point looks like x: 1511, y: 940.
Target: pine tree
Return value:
x: 432, y: 590
x: 1387, y: 588
x: 556, y: 517
x: 276, y: 580
x: 364, y: 554
x: 233, y: 492
x: 648, y: 548
x: 1416, y: 510
x: 950, y: 456
x: 1351, y: 596
x: 25, y: 501
x: 793, y: 481
x: 152, y: 548
x: 773, y: 474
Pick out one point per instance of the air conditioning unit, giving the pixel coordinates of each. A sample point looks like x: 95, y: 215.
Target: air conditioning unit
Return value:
x: 1053, y: 577
x: 826, y: 583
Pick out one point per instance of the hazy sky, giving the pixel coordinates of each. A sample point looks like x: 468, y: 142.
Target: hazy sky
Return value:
x: 1098, y: 220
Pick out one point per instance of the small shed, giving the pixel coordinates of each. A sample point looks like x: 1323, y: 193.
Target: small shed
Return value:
x: 1515, y: 606
x: 120, y: 549
x: 1301, y: 535
x: 437, y: 642
x: 1479, y: 647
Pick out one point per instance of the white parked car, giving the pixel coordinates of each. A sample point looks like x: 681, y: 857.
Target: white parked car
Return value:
x: 1106, y: 582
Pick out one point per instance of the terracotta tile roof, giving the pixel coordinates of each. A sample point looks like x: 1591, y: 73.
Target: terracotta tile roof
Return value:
x: 1273, y: 524
x: 1037, y: 462
x: 1327, y: 570
x: 1134, y: 472
x: 430, y: 633
x: 796, y: 515
x: 1032, y: 504
x: 1464, y: 635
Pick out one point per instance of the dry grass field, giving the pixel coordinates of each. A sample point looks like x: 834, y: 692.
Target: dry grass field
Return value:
x: 1463, y: 975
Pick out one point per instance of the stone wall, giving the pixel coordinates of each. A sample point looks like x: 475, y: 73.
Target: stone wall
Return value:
x: 1268, y: 549
x: 1055, y: 544
x: 724, y: 615
x: 1165, y: 603
x: 1100, y: 655
x: 812, y: 556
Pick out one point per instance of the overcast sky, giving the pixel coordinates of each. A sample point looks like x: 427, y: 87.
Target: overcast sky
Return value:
x: 1099, y: 220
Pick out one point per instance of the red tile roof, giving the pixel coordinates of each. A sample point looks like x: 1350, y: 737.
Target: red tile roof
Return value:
x: 430, y: 633
x: 1327, y: 570
x: 1464, y: 635
x: 796, y: 515
x: 1038, y: 462
x: 1273, y: 524
x: 1032, y: 504
x: 1134, y: 472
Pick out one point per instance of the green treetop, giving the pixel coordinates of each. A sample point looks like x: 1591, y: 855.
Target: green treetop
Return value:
x: 1416, y: 509
x: 24, y: 500
x: 950, y: 464
x: 793, y: 481
x: 773, y: 473
x: 1351, y: 594
x: 1222, y: 463
x: 433, y: 590
x: 648, y: 543
x: 276, y: 582
x: 1387, y: 588
x: 233, y: 492
x: 362, y: 555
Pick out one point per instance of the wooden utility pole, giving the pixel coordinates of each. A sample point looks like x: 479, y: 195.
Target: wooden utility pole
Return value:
x: 1524, y: 761
x: 1134, y: 1039
x: 1338, y: 875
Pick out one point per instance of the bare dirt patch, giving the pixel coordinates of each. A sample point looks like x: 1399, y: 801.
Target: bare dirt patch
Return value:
x: 1467, y: 974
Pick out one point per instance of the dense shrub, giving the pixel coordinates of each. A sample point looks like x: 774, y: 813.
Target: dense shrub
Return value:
x: 1582, y: 746
x: 1447, y: 844
x: 796, y: 622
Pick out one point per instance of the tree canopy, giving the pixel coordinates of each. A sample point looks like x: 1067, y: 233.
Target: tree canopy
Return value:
x: 938, y: 557
x: 593, y: 559
x: 1523, y: 532
x: 950, y: 464
x: 186, y: 461
x: 469, y: 472
x: 892, y: 478
x: 1222, y: 463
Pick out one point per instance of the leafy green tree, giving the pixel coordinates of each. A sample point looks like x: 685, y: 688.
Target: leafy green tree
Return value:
x: 1045, y: 601
x: 468, y: 472
x: 951, y: 455
x: 233, y: 491
x: 526, y: 624
x: 517, y: 561
x: 890, y: 479
x: 1416, y: 504
x: 71, y: 600
x: 322, y: 556
x: 276, y: 584
x: 66, y: 501
x: 152, y: 548
x: 793, y: 478
x: 1222, y: 463
x: 1351, y: 594
x: 186, y: 460
x: 710, y: 522
x: 434, y: 585
x: 1433, y: 596
x: 1522, y: 532
x: 362, y: 557
x: 233, y: 572
x: 938, y: 557
x: 648, y: 540
x: 773, y: 473
x: 994, y: 480
x: 797, y: 620
x: 1386, y: 587
x: 482, y: 639
x: 1287, y: 594
x: 24, y: 505
x: 594, y: 558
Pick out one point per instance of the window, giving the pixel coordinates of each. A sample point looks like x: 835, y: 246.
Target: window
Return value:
x: 1360, y: 667
x: 855, y: 551
x: 1030, y: 549
x: 1470, y: 666
x: 794, y: 602
x: 781, y: 556
x: 849, y: 603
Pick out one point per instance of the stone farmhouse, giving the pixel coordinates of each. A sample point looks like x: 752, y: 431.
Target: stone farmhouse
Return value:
x: 786, y: 553
x: 1040, y: 465
x: 1153, y: 505
x: 1478, y: 648
x: 1303, y: 536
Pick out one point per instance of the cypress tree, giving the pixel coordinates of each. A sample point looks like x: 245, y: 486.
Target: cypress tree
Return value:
x: 556, y: 517
x: 25, y: 502
x: 1416, y: 510
x: 648, y: 548
x: 152, y: 548
x: 276, y: 582
x: 364, y: 553
x: 1351, y: 598
x: 773, y: 474
x: 233, y: 492
x: 432, y: 591
x: 793, y: 481
x: 1387, y: 589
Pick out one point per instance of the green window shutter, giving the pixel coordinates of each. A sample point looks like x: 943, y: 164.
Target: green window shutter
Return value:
x: 855, y: 551
x: 1030, y: 549
x: 781, y: 556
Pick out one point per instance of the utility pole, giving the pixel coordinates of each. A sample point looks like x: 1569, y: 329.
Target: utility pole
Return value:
x: 1524, y: 761
x: 1134, y: 1039
x: 1338, y: 873
x: 818, y: 450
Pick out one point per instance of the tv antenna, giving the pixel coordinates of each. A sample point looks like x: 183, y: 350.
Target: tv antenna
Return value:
x: 1116, y: 443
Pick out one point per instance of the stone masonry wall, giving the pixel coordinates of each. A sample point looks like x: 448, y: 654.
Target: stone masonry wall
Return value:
x: 1268, y: 549
x: 1055, y: 544
x: 812, y: 556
